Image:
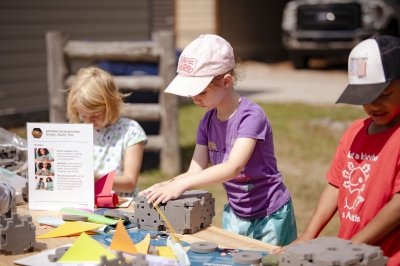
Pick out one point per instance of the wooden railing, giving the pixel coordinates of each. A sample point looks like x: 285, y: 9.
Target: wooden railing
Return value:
x: 61, y: 52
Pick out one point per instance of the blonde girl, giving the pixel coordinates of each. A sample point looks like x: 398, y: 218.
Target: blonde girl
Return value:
x: 118, y: 142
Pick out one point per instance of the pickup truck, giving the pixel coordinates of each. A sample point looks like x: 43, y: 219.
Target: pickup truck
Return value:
x: 331, y: 28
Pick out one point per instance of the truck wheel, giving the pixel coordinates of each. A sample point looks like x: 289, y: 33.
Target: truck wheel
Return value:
x: 299, y: 62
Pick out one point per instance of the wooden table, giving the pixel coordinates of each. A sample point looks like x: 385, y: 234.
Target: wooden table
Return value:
x: 223, y: 238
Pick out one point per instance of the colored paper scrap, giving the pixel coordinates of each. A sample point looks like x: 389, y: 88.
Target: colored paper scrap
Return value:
x: 57, y: 221
x: 157, y: 238
x: 124, y: 202
x: 70, y: 228
x: 92, y: 217
x: 107, y: 201
x: 85, y: 249
x: 166, y: 252
x: 144, y: 245
x: 103, y: 193
x: 121, y: 240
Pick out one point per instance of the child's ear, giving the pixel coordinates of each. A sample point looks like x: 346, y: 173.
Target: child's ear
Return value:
x: 228, y: 79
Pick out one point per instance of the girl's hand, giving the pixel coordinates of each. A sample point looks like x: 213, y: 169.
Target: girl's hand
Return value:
x: 165, y: 192
x: 152, y: 188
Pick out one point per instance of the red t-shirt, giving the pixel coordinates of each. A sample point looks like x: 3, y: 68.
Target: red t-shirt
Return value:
x: 366, y: 169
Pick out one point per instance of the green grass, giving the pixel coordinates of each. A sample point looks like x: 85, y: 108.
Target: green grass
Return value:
x: 305, y: 138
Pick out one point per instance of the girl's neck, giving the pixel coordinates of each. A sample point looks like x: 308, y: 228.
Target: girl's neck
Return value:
x: 376, y: 129
x: 228, y: 108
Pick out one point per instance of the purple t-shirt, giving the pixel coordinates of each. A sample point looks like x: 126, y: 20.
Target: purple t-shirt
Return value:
x: 258, y: 190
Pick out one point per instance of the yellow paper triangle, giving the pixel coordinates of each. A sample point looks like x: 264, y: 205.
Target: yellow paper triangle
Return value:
x: 121, y: 240
x: 166, y: 252
x: 70, y: 228
x: 85, y: 249
x: 143, y: 246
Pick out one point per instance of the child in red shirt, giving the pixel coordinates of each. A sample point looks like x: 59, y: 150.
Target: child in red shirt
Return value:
x: 364, y: 177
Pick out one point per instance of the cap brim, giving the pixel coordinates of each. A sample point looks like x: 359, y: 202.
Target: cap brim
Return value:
x: 361, y: 94
x: 188, y: 86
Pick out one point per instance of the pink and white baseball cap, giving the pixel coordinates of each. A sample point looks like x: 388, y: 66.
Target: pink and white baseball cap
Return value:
x: 372, y: 65
x: 204, y: 58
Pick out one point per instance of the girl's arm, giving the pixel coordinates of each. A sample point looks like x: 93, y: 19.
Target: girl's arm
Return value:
x: 240, y: 154
x: 199, y: 162
x: 323, y: 213
x: 132, y: 163
x: 384, y: 222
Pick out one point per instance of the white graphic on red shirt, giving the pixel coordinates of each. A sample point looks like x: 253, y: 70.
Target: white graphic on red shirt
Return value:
x: 354, y: 182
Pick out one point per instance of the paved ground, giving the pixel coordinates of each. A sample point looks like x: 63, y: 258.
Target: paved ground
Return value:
x: 282, y: 83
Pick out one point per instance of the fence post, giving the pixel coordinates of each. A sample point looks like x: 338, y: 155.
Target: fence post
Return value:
x: 170, y: 160
x: 56, y: 73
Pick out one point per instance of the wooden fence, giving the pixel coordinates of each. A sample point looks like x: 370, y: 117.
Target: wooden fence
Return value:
x: 61, y: 52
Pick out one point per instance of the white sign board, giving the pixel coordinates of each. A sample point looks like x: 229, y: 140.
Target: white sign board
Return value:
x: 60, y: 166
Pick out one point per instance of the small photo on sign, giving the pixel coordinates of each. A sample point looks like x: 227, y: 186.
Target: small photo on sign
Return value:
x: 37, y: 133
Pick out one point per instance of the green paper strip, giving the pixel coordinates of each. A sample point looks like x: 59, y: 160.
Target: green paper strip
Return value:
x: 92, y: 217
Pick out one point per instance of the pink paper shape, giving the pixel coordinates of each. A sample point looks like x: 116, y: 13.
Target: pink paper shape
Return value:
x: 104, y: 196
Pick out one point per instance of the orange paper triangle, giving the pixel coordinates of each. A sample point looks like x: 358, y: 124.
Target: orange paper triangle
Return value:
x: 121, y: 240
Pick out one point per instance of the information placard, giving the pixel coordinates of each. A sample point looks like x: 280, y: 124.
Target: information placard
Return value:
x: 60, y: 166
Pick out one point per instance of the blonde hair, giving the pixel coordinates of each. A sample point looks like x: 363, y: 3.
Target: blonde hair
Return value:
x: 94, y: 91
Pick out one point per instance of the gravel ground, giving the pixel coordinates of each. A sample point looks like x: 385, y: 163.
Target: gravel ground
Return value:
x: 282, y: 83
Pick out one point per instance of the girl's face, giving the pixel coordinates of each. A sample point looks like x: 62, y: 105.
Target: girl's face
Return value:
x: 97, y: 119
x: 384, y: 109
x: 212, y: 96
x: 41, y: 151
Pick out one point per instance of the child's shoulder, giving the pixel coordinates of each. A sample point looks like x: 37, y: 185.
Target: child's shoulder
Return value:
x: 126, y: 122
x: 358, y: 124
x: 361, y: 122
x: 246, y: 103
x: 250, y: 108
x: 129, y: 126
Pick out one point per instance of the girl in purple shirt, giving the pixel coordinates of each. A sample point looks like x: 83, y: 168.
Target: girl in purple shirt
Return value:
x: 234, y: 146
